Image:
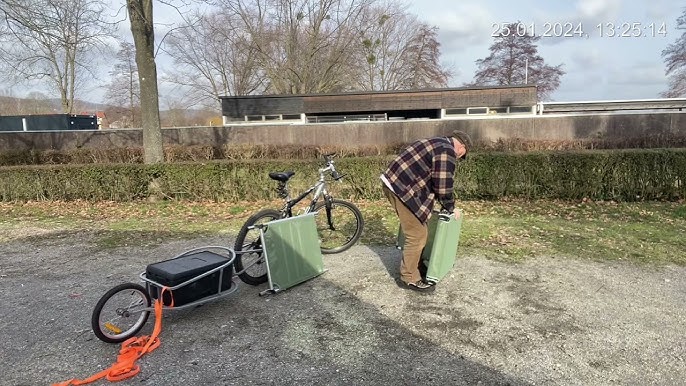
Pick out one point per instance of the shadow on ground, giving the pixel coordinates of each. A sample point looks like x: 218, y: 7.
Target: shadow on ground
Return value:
x: 315, y: 333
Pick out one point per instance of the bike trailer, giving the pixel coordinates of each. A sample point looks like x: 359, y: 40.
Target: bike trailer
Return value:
x: 438, y: 256
x: 187, y: 267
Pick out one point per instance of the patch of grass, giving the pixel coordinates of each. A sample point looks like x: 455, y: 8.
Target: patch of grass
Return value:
x: 237, y: 209
x: 680, y: 212
x: 639, y: 232
x: 648, y: 232
x: 516, y: 230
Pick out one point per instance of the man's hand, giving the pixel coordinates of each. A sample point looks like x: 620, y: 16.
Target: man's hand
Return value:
x: 457, y: 213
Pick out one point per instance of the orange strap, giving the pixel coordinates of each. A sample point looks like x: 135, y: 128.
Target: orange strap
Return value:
x: 131, y: 350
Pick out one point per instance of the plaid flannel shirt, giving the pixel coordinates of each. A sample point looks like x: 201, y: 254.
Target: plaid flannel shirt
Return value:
x: 424, y: 173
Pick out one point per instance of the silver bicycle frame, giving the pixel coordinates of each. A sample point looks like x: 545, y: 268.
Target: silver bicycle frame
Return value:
x: 319, y: 189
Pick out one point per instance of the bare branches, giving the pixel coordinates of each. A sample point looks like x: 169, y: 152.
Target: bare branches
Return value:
x: 302, y: 46
x: 54, y: 40
x: 213, y: 58
x: 675, y: 62
x: 124, y: 89
x: 397, y: 51
x: 305, y: 46
x: 514, y: 60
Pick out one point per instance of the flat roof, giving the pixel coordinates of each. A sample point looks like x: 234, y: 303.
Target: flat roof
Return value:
x: 378, y: 92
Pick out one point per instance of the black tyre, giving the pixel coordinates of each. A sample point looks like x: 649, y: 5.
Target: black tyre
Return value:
x: 249, y: 240
x: 121, y: 313
x: 339, y: 225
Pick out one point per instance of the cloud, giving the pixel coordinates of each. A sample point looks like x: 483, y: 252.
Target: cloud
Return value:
x: 640, y: 74
x: 659, y: 11
x: 586, y: 58
x: 638, y: 81
x: 462, y: 25
x: 576, y: 23
x: 598, y: 10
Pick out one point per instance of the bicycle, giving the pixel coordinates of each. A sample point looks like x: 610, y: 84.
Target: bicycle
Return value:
x: 338, y: 228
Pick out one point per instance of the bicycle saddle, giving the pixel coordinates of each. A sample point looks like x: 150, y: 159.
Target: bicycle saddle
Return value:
x: 281, y: 176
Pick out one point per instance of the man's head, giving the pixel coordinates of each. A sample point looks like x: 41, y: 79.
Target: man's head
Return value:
x: 464, y: 144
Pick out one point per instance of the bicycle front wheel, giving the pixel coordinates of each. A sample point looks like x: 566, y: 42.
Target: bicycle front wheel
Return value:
x: 248, y: 248
x: 121, y: 313
x: 339, y: 225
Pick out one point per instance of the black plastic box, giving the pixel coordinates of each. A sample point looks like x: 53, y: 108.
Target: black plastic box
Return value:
x: 176, y: 271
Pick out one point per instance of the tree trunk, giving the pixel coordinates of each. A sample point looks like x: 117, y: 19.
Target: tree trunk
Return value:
x: 140, y: 14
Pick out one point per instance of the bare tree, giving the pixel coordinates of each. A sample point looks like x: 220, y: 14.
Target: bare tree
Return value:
x: 303, y: 46
x: 383, y: 43
x: 213, y: 58
x: 514, y: 60
x: 423, y: 60
x: 53, y: 40
x: 124, y: 89
x: 398, y: 51
x: 675, y: 61
x: 142, y: 29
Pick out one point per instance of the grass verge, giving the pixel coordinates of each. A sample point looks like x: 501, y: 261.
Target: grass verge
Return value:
x: 646, y: 232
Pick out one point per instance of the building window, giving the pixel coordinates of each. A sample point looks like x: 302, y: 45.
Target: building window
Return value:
x: 477, y: 110
x: 455, y: 111
x: 521, y: 109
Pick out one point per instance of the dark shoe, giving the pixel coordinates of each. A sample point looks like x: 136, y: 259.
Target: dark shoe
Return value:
x: 419, y: 286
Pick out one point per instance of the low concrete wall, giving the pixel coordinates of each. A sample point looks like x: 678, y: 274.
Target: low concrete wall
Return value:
x: 567, y: 127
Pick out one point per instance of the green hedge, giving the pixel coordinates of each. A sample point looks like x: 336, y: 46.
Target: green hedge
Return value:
x: 623, y: 175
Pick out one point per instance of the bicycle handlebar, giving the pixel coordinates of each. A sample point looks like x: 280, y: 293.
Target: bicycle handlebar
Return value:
x: 330, y: 167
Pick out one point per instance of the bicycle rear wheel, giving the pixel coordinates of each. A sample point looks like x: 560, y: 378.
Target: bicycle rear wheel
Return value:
x: 249, y: 240
x: 339, y: 225
x: 121, y: 313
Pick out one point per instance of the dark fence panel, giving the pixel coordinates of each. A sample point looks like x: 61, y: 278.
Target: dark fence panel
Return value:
x: 11, y: 124
x: 48, y: 122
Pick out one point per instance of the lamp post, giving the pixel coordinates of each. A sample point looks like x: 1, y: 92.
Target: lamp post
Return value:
x: 526, y: 70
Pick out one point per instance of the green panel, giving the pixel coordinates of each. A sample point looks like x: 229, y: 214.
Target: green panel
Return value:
x: 441, y: 248
x: 292, y: 251
x: 441, y: 245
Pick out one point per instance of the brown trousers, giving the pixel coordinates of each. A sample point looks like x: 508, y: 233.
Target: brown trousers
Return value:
x: 416, y: 234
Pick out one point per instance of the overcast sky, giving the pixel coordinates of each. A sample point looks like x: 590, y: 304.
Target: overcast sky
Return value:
x: 598, y: 66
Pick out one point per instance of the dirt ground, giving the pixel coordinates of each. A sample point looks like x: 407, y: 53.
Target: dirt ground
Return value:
x: 547, y: 321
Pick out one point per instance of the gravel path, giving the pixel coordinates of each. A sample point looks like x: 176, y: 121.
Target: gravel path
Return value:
x: 545, y: 321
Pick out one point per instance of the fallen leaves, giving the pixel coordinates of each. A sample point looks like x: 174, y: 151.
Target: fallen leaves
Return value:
x: 513, y: 227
